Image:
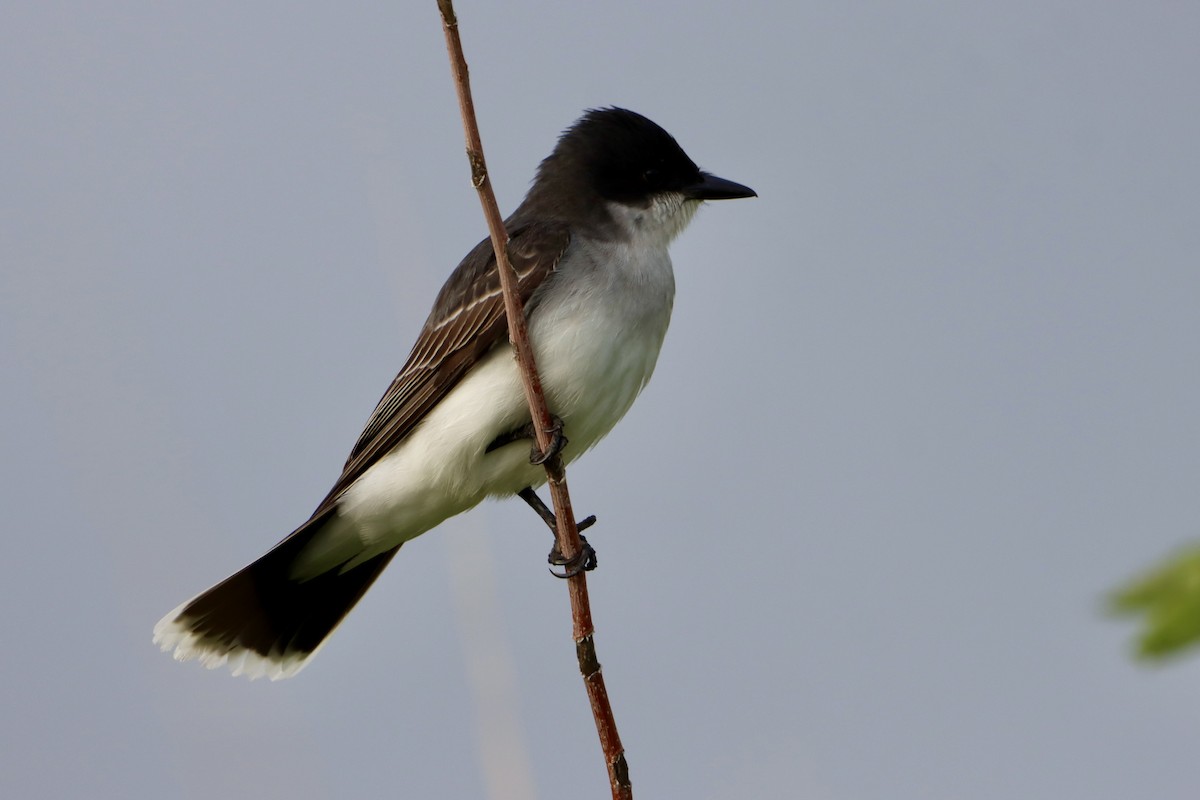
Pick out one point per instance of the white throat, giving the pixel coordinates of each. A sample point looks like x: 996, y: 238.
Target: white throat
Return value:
x: 655, y: 225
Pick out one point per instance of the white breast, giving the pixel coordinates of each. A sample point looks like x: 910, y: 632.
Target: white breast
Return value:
x: 597, y: 341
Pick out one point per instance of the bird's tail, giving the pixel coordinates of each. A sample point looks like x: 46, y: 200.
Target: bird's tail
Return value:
x: 261, y: 621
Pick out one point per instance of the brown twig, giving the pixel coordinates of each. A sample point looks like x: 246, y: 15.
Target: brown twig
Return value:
x: 567, y: 533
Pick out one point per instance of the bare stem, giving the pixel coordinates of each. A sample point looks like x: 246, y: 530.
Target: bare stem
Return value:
x: 567, y: 533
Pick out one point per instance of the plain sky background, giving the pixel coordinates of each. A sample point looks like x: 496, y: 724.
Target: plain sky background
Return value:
x: 922, y: 404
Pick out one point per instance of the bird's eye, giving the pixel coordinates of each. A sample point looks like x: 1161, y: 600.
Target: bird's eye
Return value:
x: 652, y: 176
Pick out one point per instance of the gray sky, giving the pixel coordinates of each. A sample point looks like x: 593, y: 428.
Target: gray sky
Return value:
x: 921, y: 405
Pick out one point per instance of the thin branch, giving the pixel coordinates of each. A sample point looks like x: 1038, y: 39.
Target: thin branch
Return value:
x: 567, y: 533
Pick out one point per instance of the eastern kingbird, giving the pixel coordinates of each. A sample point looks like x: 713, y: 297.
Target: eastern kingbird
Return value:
x: 589, y: 246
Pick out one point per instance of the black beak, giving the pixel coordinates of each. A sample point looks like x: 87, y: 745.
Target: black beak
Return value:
x: 710, y: 187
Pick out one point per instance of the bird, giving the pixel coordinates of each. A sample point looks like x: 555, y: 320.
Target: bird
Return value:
x: 589, y: 246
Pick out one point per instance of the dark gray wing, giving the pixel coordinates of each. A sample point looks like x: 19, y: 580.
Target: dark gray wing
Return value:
x: 467, y: 321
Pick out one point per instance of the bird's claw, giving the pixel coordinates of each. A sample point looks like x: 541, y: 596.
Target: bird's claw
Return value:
x: 557, y: 443
x: 583, y: 561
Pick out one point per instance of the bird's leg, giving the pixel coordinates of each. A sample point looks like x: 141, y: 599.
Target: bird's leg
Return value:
x: 531, y: 497
x: 527, y: 431
x: 584, y: 560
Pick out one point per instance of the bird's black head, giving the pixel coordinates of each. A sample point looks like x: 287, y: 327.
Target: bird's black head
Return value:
x: 625, y: 158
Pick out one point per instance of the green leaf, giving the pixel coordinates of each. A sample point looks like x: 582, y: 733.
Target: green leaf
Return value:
x: 1168, y: 599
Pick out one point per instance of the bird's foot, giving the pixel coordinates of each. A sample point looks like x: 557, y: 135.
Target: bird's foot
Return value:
x: 583, y: 561
x: 557, y: 443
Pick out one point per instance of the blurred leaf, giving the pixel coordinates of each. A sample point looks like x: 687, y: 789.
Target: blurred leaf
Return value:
x: 1168, y: 599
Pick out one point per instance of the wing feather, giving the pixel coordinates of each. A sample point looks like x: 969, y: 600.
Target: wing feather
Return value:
x: 467, y: 321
